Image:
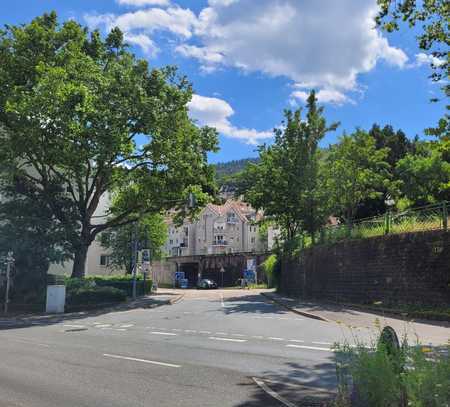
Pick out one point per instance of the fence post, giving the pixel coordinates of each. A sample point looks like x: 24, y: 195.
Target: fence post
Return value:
x: 387, y: 223
x: 444, y: 215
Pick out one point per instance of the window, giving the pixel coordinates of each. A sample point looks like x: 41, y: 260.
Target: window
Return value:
x: 104, y: 260
x: 171, y: 241
x: 252, y: 240
x: 218, y: 239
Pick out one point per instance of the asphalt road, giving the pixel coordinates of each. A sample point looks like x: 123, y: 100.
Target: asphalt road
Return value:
x: 213, y: 348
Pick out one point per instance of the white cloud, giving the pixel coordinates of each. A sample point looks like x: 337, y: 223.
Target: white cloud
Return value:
x: 144, y: 41
x: 324, y: 96
x: 425, y: 59
x: 325, y: 44
x: 216, y: 112
x: 140, y: 3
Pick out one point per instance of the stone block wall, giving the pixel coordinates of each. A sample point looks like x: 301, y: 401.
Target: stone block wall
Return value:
x: 402, y: 268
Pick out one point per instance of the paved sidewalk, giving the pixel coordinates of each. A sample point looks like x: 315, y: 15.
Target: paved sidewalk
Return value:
x: 428, y: 332
x: 149, y: 301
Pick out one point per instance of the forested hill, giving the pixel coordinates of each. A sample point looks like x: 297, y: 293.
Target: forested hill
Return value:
x: 230, y: 168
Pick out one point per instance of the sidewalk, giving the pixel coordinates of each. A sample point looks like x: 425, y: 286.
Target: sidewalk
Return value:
x: 148, y: 301
x: 428, y: 332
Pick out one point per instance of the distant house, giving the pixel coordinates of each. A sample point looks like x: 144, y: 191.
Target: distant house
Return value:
x: 228, y: 228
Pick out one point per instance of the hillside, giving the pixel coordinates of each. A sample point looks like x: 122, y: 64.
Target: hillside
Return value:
x: 230, y: 168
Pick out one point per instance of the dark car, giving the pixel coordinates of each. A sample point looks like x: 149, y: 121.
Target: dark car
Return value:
x: 206, y: 283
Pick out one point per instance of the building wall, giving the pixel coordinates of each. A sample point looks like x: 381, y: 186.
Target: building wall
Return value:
x: 403, y: 268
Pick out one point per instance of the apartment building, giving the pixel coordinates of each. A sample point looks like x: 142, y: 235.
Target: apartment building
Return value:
x: 228, y: 228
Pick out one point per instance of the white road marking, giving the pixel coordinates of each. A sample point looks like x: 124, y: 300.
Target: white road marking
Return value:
x: 273, y: 338
x: 204, y: 332
x: 221, y: 299
x: 309, y: 347
x: 163, y: 333
x: 296, y: 340
x: 322, y: 343
x: 152, y: 362
x: 272, y: 393
x: 221, y: 333
x: 176, y: 329
x: 227, y: 339
x: 73, y: 326
x: 190, y: 331
x: 120, y: 329
x: 243, y: 336
x: 29, y: 342
x: 258, y: 337
x: 126, y: 325
x: 102, y: 325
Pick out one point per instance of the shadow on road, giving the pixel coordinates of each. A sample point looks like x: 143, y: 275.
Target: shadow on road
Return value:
x: 303, y: 386
x: 251, y: 304
x: 50, y: 319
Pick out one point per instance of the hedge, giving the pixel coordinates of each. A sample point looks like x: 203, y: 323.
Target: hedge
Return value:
x: 124, y: 283
x: 94, y: 295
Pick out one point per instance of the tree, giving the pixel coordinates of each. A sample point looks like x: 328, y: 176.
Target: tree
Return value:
x: 355, y: 170
x: 285, y: 181
x: 151, y: 232
x: 73, y: 105
x: 434, y: 37
x: 398, y: 146
x: 425, y: 176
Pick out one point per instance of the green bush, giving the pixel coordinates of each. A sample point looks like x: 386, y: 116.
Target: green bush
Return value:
x: 269, y: 266
x: 124, y: 283
x: 94, y: 295
x: 415, y: 376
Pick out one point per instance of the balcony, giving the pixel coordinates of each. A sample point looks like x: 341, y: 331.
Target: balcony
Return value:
x: 220, y: 243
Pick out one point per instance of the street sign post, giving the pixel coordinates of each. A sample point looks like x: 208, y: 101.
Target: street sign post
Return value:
x: 9, y: 263
x: 222, y: 271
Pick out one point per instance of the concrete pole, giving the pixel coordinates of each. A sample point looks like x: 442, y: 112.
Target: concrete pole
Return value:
x: 134, y: 256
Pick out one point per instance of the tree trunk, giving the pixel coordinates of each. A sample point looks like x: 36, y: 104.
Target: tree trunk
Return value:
x: 79, y: 263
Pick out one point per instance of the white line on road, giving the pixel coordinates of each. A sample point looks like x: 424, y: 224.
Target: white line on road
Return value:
x: 152, y: 362
x: 204, y: 332
x: 227, y: 339
x: 242, y: 336
x: 309, y: 347
x: 163, y: 333
x: 221, y: 300
x: 221, y: 333
x: 190, y: 331
x: 275, y: 338
x: 126, y: 325
x: 102, y: 325
x: 73, y: 326
x: 322, y: 343
x: 272, y: 393
x: 296, y: 340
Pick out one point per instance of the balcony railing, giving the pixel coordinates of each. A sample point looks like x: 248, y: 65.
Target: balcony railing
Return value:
x: 220, y: 243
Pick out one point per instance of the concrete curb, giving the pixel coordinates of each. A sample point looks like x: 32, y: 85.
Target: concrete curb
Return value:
x: 296, y: 311
x: 178, y: 298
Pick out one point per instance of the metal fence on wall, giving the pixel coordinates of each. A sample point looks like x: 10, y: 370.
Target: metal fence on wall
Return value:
x: 429, y: 217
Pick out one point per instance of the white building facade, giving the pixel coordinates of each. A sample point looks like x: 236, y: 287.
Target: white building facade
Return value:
x: 228, y: 228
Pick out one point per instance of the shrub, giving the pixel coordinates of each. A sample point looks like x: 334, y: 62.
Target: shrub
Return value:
x: 415, y: 376
x: 94, y: 295
x: 269, y: 266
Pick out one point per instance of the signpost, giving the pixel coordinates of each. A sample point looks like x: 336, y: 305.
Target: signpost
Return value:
x: 222, y: 271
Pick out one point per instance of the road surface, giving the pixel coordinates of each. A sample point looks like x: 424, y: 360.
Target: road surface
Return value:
x: 213, y: 348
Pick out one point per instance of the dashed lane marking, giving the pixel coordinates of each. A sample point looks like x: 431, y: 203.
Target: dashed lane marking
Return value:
x: 309, y: 347
x: 163, y: 333
x: 273, y: 338
x: 152, y: 362
x: 215, y: 338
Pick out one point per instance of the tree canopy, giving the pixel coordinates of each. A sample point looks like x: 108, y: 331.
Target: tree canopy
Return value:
x: 285, y: 180
x: 86, y: 120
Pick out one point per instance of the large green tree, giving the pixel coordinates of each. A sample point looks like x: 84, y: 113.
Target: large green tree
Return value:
x: 73, y: 105
x: 285, y: 181
x: 398, y: 146
x: 150, y: 231
x: 355, y: 170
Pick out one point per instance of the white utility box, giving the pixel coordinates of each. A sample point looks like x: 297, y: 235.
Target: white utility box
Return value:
x: 56, y: 299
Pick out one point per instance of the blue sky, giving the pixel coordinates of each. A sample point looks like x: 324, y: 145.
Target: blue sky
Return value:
x: 250, y: 59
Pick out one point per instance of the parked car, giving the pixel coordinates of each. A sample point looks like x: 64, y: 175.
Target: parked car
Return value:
x: 206, y: 283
